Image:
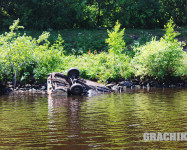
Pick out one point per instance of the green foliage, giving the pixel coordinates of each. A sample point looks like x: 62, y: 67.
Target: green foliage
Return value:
x: 47, y: 60
x: 170, y: 33
x: 115, y: 41
x: 160, y: 59
x: 18, y: 52
x: 182, y: 70
x: 65, y: 14
x: 82, y: 41
x: 99, y: 66
x: 15, y: 49
x: 175, y: 9
x: 15, y: 26
x: 78, y: 42
x: 31, y: 59
x: 46, y: 57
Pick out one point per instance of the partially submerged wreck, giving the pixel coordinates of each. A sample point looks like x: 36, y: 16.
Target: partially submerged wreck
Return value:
x: 71, y: 84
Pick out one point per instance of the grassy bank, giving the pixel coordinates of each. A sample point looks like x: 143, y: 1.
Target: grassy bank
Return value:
x: 28, y: 56
x: 81, y: 41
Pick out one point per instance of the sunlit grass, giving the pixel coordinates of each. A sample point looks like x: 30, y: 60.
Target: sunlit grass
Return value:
x: 81, y: 40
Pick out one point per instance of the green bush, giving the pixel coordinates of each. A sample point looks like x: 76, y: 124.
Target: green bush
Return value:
x: 182, y: 70
x: 46, y: 58
x: 99, y: 66
x: 160, y: 59
x: 116, y: 41
x: 24, y: 56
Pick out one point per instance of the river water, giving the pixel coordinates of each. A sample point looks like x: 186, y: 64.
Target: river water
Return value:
x: 110, y: 121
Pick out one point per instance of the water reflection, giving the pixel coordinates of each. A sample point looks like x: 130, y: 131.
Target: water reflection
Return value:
x: 67, y: 108
x: 112, y: 121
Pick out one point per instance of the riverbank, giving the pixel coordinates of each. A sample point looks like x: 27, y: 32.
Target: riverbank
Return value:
x: 114, y: 86
x: 158, y: 62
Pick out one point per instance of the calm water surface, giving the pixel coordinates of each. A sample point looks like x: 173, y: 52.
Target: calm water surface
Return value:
x: 112, y: 121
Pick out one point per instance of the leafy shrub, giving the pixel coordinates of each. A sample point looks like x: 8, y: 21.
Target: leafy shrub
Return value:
x: 182, y: 70
x: 99, y: 66
x: 115, y: 41
x: 47, y: 58
x: 170, y: 33
x: 160, y: 59
x: 20, y: 52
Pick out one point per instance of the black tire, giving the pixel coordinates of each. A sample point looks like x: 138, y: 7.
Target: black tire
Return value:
x: 73, y: 73
x: 76, y: 89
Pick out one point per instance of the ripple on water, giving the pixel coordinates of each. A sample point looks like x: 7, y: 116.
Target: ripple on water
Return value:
x: 112, y: 121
